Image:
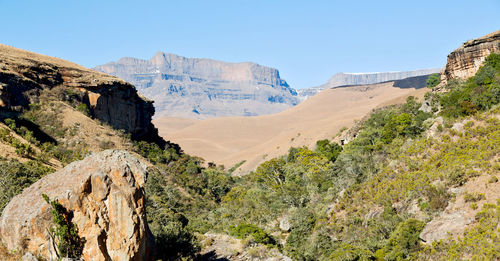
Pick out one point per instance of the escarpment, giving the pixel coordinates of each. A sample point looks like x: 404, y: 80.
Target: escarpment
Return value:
x: 25, y: 75
x: 104, y: 194
x: 465, y: 61
x: 204, y: 88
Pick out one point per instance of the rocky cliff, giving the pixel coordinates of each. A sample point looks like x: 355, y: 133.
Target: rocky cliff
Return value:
x: 346, y: 79
x: 25, y: 75
x: 201, y: 88
x: 466, y: 60
x: 105, y: 196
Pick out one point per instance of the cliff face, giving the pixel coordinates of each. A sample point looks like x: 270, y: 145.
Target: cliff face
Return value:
x: 346, y: 79
x: 201, y: 88
x: 105, y: 196
x: 466, y: 60
x: 24, y: 75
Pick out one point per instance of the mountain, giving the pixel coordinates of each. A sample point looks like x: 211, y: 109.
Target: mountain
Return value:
x: 230, y: 140
x: 347, y: 79
x: 204, y: 88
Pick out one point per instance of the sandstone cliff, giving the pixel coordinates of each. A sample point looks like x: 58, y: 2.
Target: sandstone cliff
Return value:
x: 466, y: 60
x: 106, y: 196
x: 201, y: 88
x: 24, y: 75
x: 347, y: 79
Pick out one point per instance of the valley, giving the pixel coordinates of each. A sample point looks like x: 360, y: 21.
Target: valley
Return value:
x: 404, y: 169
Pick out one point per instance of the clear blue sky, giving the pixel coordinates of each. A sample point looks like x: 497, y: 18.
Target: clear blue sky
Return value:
x: 307, y: 41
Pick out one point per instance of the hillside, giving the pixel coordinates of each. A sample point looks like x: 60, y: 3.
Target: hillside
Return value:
x: 204, y: 88
x: 230, y: 140
x: 411, y: 179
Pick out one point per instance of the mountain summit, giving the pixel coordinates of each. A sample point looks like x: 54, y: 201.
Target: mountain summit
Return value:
x: 204, y: 88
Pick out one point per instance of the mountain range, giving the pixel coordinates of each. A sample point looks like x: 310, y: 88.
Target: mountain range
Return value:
x: 203, y: 88
x: 347, y: 79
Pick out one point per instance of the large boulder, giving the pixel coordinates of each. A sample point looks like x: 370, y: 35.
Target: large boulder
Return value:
x: 106, y: 196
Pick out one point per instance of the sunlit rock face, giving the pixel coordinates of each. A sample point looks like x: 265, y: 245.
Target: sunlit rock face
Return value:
x: 465, y: 61
x: 105, y: 195
x: 202, y: 88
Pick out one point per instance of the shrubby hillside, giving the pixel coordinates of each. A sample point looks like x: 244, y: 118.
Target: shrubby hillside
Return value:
x: 418, y: 181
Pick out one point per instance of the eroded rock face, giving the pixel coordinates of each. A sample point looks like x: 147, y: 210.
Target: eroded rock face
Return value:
x: 105, y: 193
x: 202, y: 88
x: 24, y: 75
x: 466, y: 60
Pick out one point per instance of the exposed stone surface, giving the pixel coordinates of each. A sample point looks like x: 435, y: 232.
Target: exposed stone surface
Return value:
x: 201, y: 88
x: 105, y: 193
x: 446, y: 224
x: 347, y: 79
x: 466, y: 60
x: 23, y: 75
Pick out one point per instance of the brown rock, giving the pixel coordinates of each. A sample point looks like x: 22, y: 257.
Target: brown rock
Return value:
x: 105, y: 193
x: 466, y: 60
x: 24, y: 75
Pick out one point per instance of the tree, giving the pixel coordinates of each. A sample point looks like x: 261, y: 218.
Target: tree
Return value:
x: 433, y: 80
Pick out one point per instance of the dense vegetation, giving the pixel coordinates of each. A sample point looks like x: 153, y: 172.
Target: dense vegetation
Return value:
x: 367, y: 200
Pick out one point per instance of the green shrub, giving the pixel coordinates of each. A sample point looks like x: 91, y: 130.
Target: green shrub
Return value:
x: 16, y: 176
x: 404, y: 242
x: 433, y: 80
x: 259, y: 236
x: 82, y: 107
x: 65, y: 234
x: 473, y: 197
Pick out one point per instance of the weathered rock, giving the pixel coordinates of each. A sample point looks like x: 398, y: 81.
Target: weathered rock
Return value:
x: 106, y: 196
x: 24, y: 75
x: 466, y: 60
x: 445, y: 225
x: 349, y: 79
x: 201, y: 88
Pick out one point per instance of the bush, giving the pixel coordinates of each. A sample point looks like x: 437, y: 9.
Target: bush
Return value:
x: 16, y: 176
x: 65, y: 234
x: 258, y: 235
x: 433, y: 80
x: 404, y: 242
x: 473, y: 197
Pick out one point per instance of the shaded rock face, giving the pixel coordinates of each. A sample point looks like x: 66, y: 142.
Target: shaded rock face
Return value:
x: 24, y: 75
x: 465, y: 61
x: 348, y: 79
x: 106, y: 196
x: 201, y: 88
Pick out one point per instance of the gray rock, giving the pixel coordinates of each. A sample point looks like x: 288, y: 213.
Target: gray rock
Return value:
x: 445, y: 225
x: 201, y: 88
x: 347, y: 79
x: 29, y: 257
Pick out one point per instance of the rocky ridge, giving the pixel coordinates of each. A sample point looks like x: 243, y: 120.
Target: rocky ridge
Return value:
x: 348, y: 79
x: 25, y: 75
x: 105, y: 194
x: 465, y: 61
x: 203, y: 88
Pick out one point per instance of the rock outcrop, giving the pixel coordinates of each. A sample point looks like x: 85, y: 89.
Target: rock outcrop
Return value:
x: 348, y: 79
x: 466, y: 60
x: 105, y: 194
x: 24, y: 75
x: 201, y: 88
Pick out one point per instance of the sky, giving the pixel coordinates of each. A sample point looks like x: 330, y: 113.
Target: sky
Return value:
x: 308, y: 41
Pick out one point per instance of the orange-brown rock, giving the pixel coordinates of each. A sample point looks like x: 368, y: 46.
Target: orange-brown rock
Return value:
x: 106, y: 196
x: 466, y: 60
x: 24, y: 75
